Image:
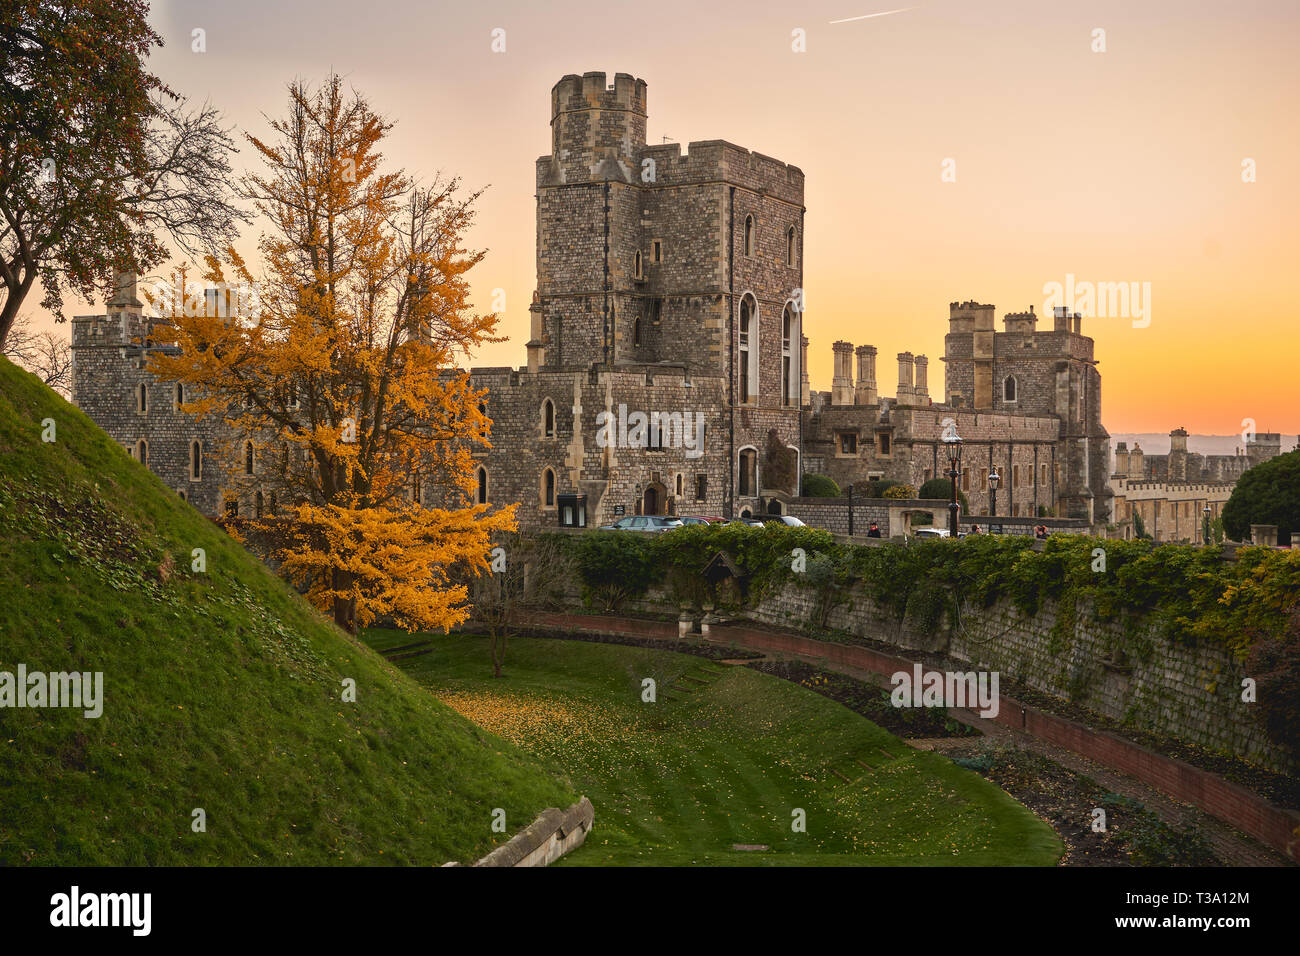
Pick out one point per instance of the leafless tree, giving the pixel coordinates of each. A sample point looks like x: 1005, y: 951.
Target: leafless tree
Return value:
x: 47, y: 355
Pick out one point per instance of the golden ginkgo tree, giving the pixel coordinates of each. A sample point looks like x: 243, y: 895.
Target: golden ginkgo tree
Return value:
x: 340, y: 373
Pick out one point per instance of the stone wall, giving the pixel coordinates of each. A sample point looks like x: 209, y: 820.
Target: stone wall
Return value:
x: 1187, y: 691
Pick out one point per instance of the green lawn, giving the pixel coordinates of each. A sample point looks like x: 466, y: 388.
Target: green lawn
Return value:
x: 222, y: 689
x: 725, y: 761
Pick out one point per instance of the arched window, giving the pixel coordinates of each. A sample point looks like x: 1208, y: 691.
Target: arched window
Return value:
x: 637, y: 265
x: 791, y: 242
x: 749, y: 235
x: 1009, y: 389
x: 747, y: 358
x: 548, y: 419
x: 681, y: 483
x: 196, y: 460
x: 142, y: 398
x: 180, y: 394
x: 181, y: 492
x: 548, y: 488
x: 482, y: 496
x: 248, y: 457
x: 748, y: 465
x: 142, y: 452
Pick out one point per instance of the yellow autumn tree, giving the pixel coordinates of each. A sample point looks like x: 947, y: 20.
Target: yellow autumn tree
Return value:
x: 339, y: 365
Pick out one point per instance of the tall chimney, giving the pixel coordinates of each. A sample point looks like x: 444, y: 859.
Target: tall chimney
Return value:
x: 866, y: 390
x: 842, y: 381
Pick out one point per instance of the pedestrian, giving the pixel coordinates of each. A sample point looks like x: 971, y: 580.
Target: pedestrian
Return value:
x: 873, y: 531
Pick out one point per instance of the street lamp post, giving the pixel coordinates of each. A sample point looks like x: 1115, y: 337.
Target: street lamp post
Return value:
x: 1206, y: 511
x: 952, y: 446
x: 994, y: 479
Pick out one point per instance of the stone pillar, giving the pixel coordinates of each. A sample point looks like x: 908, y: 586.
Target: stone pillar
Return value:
x: 866, y: 389
x: 905, y: 387
x: 805, y: 385
x: 922, y: 380
x: 536, y: 347
x: 1264, y: 535
x: 842, y: 381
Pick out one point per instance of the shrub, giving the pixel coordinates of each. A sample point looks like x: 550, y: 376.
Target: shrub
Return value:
x: 820, y: 486
x: 899, y: 491
x: 942, y: 488
x: 1269, y: 493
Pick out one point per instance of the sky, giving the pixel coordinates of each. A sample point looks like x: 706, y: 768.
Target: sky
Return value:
x: 1123, y: 165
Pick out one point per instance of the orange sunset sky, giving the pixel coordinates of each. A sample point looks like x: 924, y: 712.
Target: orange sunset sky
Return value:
x: 1122, y: 166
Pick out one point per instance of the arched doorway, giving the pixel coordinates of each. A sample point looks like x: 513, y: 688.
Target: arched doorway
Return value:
x: 774, y: 507
x: 654, y: 499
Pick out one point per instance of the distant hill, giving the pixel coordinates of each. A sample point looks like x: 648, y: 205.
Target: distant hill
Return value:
x: 221, y: 690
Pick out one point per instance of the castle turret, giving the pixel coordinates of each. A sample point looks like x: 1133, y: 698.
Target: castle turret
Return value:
x: 596, y: 131
x: 1023, y: 323
x: 866, y: 388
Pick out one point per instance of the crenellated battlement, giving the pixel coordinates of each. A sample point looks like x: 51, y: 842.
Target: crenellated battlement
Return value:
x: 589, y: 92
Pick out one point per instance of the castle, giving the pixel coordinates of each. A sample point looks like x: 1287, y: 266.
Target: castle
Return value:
x: 1026, y: 403
x: 1174, y: 495
x: 666, y: 367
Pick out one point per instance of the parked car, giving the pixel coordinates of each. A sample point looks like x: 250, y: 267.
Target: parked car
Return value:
x: 789, y: 521
x: 701, y: 519
x: 653, y: 524
x: 747, y: 522
x: 930, y: 533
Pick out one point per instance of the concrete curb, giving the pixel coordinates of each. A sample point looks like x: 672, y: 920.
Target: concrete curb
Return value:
x: 554, y: 833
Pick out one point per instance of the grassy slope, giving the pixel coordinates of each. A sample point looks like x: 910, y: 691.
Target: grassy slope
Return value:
x: 679, y: 782
x: 222, y: 690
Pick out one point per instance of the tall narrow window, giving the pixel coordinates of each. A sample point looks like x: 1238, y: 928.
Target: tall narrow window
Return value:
x: 258, y: 504
x: 656, y: 251
x: 548, y: 488
x: 681, y: 480
x: 142, y: 398
x: 248, y: 457
x: 482, y: 486
x: 636, y: 331
x: 1009, y: 389
x: 701, y: 487
x: 638, y: 269
x: 548, y: 419
x: 747, y: 359
x: 749, y: 235
x: 196, y: 461
x: 180, y: 394
x: 142, y: 452
x: 790, y: 244
x: 787, y: 358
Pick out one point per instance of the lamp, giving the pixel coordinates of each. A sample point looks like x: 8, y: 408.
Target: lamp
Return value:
x: 952, y: 448
x: 994, y: 479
